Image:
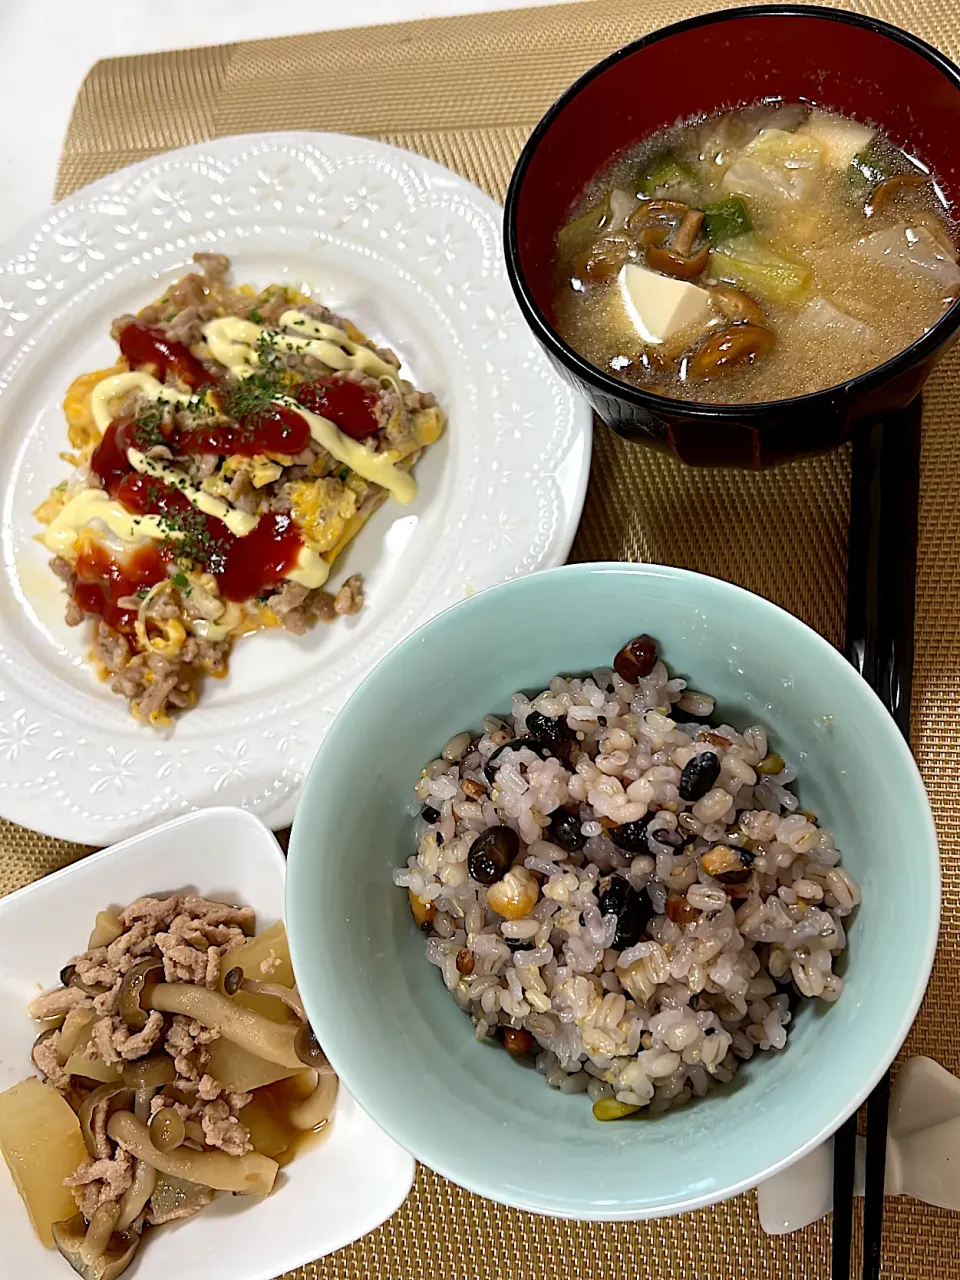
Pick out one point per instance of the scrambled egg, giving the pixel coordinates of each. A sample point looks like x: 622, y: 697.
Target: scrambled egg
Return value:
x: 428, y: 425
x: 81, y: 428
x: 322, y: 509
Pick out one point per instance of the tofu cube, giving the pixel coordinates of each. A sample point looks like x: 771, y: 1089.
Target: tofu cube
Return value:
x: 659, y: 307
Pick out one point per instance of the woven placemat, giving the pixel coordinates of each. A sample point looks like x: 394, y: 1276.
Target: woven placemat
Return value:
x: 466, y: 92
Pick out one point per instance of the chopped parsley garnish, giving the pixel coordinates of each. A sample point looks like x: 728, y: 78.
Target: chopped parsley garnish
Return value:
x: 256, y: 317
x: 200, y: 406
x: 183, y: 582
x: 142, y: 592
x: 196, y: 540
x: 343, y: 473
x: 253, y: 396
x: 268, y: 354
x: 153, y: 426
x: 149, y: 424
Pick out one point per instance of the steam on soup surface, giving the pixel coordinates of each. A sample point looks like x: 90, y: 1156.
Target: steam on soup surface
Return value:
x: 762, y: 253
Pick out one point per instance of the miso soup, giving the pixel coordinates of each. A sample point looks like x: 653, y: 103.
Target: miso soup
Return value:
x: 762, y: 253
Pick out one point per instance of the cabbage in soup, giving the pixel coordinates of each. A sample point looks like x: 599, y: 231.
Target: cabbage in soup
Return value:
x: 762, y: 253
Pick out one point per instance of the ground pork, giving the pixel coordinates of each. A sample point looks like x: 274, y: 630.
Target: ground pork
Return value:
x: 94, y: 968
x: 242, y: 493
x: 190, y: 934
x: 299, y: 608
x: 171, y: 688
x: 209, y: 655
x: 184, y: 963
x: 44, y: 1054
x: 121, y: 323
x: 209, y: 1089
x: 270, y: 304
x: 222, y: 1129
x: 207, y: 914
x: 306, y: 457
x: 190, y: 291
x: 279, y: 500
x: 155, y: 682
x: 290, y: 597
x: 349, y: 599
x: 197, y: 938
x: 215, y: 266
x: 55, y: 1004
x: 165, y: 604
x: 106, y: 1003
x: 132, y: 945
x: 136, y: 1044
x: 206, y: 463
x: 417, y: 401
x: 64, y: 570
x: 187, y: 325
x: 113, y: 1042
x: 155, y: 913
x: 99, y: 1182
x: 186, y: 1043
x: 110, y: 647
x: 318, y: 607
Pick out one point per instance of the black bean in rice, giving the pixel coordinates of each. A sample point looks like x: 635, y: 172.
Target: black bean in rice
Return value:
x: 639, y: 975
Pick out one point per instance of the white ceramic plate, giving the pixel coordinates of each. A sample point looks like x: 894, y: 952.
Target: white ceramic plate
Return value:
x: 413, y: 253
x: 334, y: 1191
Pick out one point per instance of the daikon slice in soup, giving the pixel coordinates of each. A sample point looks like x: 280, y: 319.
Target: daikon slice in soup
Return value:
x: 762, y: 253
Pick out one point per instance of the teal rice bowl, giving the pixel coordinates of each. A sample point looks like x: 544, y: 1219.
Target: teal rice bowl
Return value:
x: 707, y: 973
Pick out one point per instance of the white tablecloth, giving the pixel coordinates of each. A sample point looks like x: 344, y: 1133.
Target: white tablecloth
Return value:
x: 47, y: 47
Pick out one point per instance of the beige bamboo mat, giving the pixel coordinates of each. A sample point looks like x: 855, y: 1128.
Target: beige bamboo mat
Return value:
x: 466, y: 92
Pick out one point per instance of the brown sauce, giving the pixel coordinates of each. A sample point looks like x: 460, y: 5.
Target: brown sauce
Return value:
x: 267, y: 1117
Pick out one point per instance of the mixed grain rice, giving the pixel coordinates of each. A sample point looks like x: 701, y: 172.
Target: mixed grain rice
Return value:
x: 716, y: 969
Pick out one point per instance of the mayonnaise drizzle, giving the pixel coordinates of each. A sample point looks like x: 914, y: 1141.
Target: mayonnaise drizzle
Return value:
x: 331, y: 345
x: 233, y: 343
x: 94, y: 504
x: 111, y: 389
x: 379, y: 468
x: 311, y: 569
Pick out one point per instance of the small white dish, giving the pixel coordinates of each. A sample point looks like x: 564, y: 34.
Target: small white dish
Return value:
x: 335, y: 1191
x: 410, y: 251
x: 921, y: 1154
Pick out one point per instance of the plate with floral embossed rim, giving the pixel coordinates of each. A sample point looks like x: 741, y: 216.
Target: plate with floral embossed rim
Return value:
x: 410, y: 251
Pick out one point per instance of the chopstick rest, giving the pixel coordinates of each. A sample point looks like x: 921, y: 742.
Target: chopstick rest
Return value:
x: 923, y: 1154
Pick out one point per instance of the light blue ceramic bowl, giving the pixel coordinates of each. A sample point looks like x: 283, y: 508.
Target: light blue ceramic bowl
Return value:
x: 403, y: 1047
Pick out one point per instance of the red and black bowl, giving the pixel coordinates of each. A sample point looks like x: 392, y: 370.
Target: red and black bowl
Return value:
x: 843, y: 62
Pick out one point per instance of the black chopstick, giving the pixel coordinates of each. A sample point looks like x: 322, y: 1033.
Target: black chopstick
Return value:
x: 878, y: 1105
x: 844, y: 1165
x: 881, y: 578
